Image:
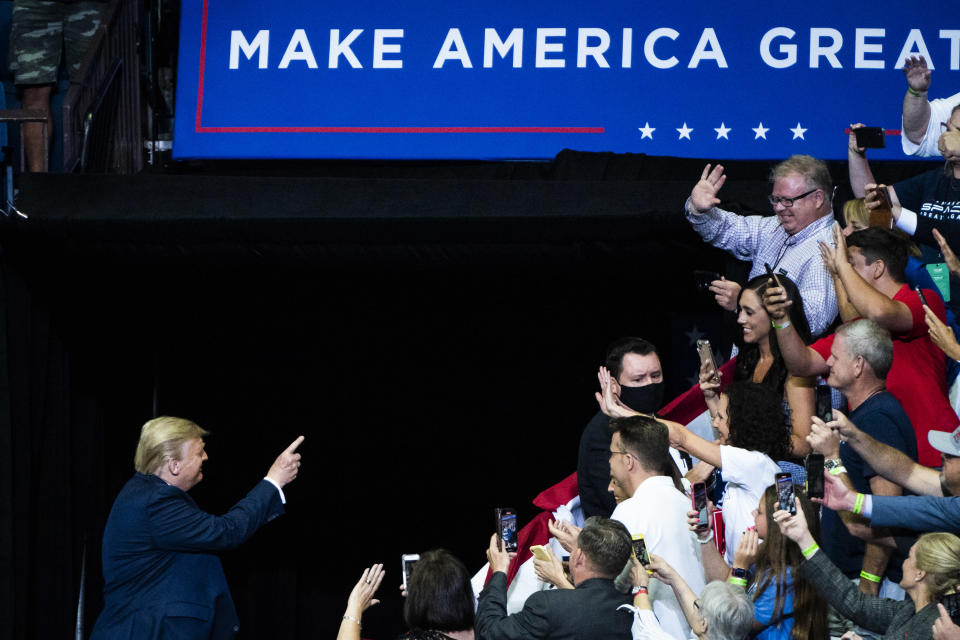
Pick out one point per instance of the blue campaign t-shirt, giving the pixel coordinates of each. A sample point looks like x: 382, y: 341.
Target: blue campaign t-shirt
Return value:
x: 779, y: 624
x: 882, y: 418
x: 935, y: 197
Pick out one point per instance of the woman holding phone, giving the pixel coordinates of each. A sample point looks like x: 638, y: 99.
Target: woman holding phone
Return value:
x: 759, y: 360
x: 931, y: 571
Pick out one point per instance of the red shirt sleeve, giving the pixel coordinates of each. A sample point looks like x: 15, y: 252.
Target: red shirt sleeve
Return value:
x: 823, y: 346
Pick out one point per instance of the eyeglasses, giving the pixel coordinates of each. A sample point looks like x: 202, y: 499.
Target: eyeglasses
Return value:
x: 788, y: 202
x: 622, y: 453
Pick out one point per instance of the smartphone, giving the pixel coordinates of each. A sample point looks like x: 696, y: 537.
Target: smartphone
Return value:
x: 706, y: 355
x: 871, y: 137
x: 704, y: 278
x: 540, y: 552
x: 408, y: 560
x: 699, y: 498
x: 951, y: 602
x: 814, y: 465
x: 640, y: 549
x: 923, y: 298
x: 785, y: 493
x: 506, y: 523
x: 824, y: 403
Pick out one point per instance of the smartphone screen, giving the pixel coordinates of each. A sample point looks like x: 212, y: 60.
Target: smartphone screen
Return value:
x: 785, y: 493
x: 814, y: 467
x: 640, y: 549
x: 870, y: 137
x: 507, y: 528
x: 408, y: 560
x: 704, y: 278
x: 700, y: 504
x: 824, y: 403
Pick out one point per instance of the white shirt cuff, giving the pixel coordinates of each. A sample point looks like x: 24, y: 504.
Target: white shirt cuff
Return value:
x: 907, y: 222
x: 283, y: 498
x: 867, y: 509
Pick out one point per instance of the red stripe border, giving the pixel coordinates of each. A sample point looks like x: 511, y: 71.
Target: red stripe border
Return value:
x: 199, y: 128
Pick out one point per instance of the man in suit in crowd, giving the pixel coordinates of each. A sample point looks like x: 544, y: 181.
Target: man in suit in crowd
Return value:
x: 588, y: 611
x: 162, y: 576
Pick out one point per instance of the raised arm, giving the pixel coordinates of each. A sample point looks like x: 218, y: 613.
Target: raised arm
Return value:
x: 857, y: 164
x: 800, y: 359
x: 663, y: 572
x: 892, y: 315
x: 891, y: 463
x: 916, y: 107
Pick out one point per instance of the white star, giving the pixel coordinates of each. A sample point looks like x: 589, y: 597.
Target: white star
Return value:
x: 693, y: 335
x: 761, y: 132
x: 798, y: 132
x: 723, y: 131
x: 684, y: 132
x: 646, y: 130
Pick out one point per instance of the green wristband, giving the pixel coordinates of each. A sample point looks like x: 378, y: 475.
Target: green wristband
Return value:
x: 809, y: 551
x: 740, y: 582
x: 858, y: 504
x: 870, y: 577
x: 914, y: 92
x: 779, y: 326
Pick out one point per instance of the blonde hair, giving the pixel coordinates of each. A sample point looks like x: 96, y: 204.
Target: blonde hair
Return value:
x: 939, y: 555
x: 815, y: 173
x: 162, y: 439
x: 856, y: 211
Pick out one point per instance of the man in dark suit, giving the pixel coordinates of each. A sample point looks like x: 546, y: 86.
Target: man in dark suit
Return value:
x: 588, y: 611
x: 162, y: 577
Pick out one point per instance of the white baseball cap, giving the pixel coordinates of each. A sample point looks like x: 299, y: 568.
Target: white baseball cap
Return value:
x: 945, y: 441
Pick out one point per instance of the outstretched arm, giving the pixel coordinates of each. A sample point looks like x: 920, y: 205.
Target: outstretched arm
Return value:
x: 891, y: 463
x: 361, y: 599
x: 916, y: 107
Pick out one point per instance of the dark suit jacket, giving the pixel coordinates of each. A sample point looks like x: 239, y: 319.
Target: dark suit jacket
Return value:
x: 162, y: 577
x: 588, y: 612
x: 593, y: 468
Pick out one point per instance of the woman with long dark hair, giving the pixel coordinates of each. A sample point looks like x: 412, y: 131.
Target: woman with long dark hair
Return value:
x: 759, y: 360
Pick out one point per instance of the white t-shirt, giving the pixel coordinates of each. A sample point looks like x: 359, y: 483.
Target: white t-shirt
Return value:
x: 659, y: 512
x: 939, y: 112
x: 747, y: 474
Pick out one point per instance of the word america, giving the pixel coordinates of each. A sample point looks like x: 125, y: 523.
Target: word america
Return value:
x: 778, y: 48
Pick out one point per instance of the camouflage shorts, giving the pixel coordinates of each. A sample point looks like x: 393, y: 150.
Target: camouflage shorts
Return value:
x: 41, y: 29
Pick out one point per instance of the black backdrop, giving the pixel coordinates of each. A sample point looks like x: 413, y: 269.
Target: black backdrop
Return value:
x: 434, y: 331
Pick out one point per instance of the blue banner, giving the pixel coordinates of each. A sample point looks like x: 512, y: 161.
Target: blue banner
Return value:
x: 523, y: 80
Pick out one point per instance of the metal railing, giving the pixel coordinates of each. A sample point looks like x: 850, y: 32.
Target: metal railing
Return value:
x: 101, y: 110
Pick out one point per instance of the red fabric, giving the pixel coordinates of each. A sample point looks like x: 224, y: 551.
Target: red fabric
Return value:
x: 690, y: 404
x: 917, y: 378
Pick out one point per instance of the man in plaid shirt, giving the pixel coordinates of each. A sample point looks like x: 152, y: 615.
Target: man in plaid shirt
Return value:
x: 788, y: 241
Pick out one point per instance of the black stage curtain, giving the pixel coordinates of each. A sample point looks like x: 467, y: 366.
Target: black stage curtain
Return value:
x: 434, y: 331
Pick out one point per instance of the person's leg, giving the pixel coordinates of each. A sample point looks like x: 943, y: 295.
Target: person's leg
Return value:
x: 35, y: 43
x: 36, y: 135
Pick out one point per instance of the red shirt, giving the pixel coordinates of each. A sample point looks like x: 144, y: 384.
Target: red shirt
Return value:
x: 918, y: 376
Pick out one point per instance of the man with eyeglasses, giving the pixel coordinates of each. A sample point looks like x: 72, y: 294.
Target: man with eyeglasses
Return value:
x: 656, y: 507
x: 787, y: 241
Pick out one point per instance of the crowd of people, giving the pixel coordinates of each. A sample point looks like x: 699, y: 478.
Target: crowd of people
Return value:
x: 846, y: 355
x: 837, y: 310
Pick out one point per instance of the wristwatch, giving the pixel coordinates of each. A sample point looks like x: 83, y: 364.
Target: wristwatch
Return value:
x: 832, y: 463
x: 739, y: 573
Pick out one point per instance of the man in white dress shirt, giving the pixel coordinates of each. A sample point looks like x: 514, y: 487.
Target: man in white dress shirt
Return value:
x: 640, y: 463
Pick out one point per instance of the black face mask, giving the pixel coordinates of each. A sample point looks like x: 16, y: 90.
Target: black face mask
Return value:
x: 645, y: 399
